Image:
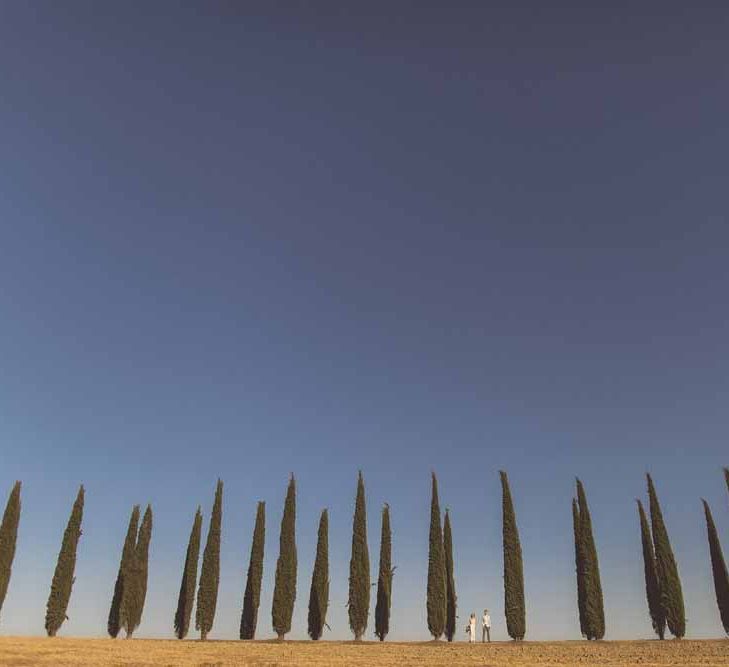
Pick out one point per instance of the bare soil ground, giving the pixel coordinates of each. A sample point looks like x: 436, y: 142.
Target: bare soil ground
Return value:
x: 65, y: 651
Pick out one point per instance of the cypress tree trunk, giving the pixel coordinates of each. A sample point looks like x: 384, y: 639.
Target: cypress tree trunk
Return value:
x: 186, y: 598
x: 384, y: 579
x: 436, y: 595
x: 718, y: 569
x: 671, y: 592
x: 8, y: 539
x: 594, y: 609
x: 359, y: 567
x: 252, y: 595
x: 63, y: 578
x: 451, y: 600
x: 513, y: 567
x: 319, y: 594
x: 284, y: 590
x: 130, y: 543
x: 652, y: 585
x: 579, y: 568
x: 135, y: 588
x: 207, y: 593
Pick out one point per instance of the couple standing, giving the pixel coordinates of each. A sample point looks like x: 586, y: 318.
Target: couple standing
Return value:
x: 485, y: 627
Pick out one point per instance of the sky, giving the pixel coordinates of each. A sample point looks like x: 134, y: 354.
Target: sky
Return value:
x: 244, y: 240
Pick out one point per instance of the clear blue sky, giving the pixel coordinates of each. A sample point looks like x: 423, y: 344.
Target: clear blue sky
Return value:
x: 242, y: 240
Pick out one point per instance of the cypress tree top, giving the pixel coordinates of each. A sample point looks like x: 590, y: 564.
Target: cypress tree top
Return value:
x: 252, y: 595
x: 652, y: 585
x: 671, y: 592
x: 384, y: 579
x: 207, y: 594
x: 63, y: 576
x: 359, y: 567
x: 130, y: 542
x: 319, y: 593
x: 284, y: 591
x: 718, y: 569
x: 8, y: 539
x: 436, y: 594
x: 514, y: 607
x: 186, y: 598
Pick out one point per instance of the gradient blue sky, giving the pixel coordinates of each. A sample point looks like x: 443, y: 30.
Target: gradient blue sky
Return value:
x: 241, y: 239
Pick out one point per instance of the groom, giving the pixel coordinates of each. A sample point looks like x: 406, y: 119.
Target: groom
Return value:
x: 486, y: 626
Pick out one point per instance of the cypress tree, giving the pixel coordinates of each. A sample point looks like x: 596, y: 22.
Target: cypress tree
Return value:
x: 450, y: 627
x: 652, y: 585
x: 130, y: 543
x: 718, y: 569
x: 284, y: 590
x: 252, y: 595
x: 579, y: 567
x: 594, y: 609
x: 359, y: 566
x: 8, y: 538
x: 513, y: 567
x: 319, y: 594
x: 436, y: 594
x: 186, y: 598
x: 63, y: 578
x: 207, y: 593
x: 135, y: 587
x: 384, y: 579
x: 671, y: 593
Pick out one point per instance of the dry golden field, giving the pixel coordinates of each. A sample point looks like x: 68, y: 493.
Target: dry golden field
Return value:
x: 64, y: 651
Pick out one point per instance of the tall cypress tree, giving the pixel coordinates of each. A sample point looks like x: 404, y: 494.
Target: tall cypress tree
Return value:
x: 63, y: 575
x: 252, y: 595
x: 319, y: 594
x: 579, y: 568
x: 513, y: 567
x: 186, y: 598
x: 594, y: 609
x: 284, y: 590
x: 436, y: 594
x: 8, y: 538
x: 652, y: 584
x: 207, y: 593
x: 726, y: 477
x: 384, y: 579
x: 113, y: 624
x: 671, y: 592
x: 135, y: 587
x: 359, y: 566
x: 451, y: 600
x: 718, y: 569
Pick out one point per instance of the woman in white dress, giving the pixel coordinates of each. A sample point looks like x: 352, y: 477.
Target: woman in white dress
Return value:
x: 472, y: 628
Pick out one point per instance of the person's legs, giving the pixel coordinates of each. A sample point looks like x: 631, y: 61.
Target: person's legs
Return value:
x: 483, y: 634
x: 488, y: 633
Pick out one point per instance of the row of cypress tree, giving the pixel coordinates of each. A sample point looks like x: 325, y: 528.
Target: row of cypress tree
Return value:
x: 663, y: 588
x: 662, y: 582
x: 441, y: 599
